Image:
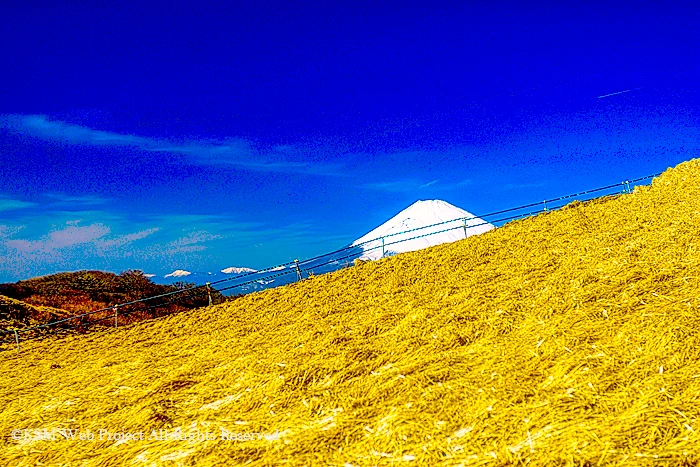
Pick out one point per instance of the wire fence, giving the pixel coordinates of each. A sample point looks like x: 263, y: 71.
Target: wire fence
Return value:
x: 291, y: 271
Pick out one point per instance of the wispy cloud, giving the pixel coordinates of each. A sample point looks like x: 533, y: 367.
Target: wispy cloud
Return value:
x: 410, y: 185
x: 119, y: 241
x: 40, y: 126
x: 233, y: 152
x: 521, y: 186
x: 8, y: 204
x: 618, y: 92
x: 189, y: 243
x: 193, y: 238
x: 82, y: 201
x: 196, y: 227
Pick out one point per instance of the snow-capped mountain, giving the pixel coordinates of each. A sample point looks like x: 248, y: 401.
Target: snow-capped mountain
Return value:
x: 420, y: 214
x: 178, y: 273
x: 235, y: 270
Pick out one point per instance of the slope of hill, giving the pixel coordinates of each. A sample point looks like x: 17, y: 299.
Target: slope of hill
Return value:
x: 570, y: 338
x: 417, y: 216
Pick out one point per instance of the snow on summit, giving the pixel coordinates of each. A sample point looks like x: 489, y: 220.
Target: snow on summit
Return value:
x: 235, y: 270
x: 178, y: 273
x: 421, y: 214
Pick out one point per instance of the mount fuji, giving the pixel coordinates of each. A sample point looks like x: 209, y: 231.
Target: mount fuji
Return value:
x: 417, y: 216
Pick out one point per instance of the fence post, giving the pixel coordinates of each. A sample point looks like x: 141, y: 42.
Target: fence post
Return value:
x: 464, y: 224
x: 17, y: 340
x: 296, y: 264
x: 545, y: 204
x: 626, y: 187
x: 209, y: 293
x: 383, y: 247
x: 116, y: 317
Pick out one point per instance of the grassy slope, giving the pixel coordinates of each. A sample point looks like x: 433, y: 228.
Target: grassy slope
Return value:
x: 16, y: 314
x: 565, y: 338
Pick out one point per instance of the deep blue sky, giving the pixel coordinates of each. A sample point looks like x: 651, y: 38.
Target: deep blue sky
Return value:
x: 172, y: 135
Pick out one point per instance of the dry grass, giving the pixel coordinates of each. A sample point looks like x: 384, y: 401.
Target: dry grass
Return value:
x: 570, y: 338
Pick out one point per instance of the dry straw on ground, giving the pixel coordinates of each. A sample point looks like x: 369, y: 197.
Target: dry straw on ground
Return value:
x: 571, y: 338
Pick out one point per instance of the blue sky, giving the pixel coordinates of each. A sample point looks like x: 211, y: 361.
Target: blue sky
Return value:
x: 163, y: 136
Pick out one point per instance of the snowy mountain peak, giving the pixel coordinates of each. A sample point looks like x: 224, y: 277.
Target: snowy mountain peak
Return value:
x: 435, y: 208
x: 432, y: 202
x: 235, y: 270
x: 178, y: 273
x: 418, y: 215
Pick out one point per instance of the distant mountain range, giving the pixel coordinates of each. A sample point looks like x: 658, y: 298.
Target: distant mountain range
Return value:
x: 238, y: 280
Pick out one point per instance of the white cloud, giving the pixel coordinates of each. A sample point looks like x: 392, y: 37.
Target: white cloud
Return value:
x: 74, y: 235
x: 7, y: 231
x: 63, y: 238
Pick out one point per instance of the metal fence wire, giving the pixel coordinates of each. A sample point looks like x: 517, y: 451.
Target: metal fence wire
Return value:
x: 296, y: 269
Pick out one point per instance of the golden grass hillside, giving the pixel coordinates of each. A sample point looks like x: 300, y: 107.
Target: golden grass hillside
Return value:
x: 571, y: 338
